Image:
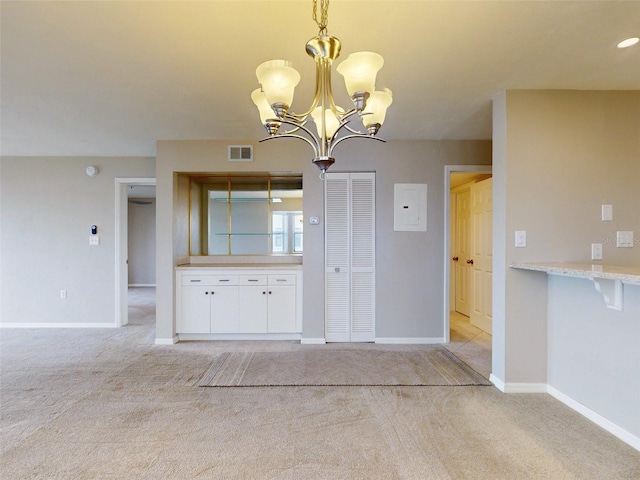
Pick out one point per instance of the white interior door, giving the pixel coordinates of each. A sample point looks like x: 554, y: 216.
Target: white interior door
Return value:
x: 337, y: 258
x: 363, y: 248
x: 350, y: 257
x: 481, y: 254
x: 461, y: 252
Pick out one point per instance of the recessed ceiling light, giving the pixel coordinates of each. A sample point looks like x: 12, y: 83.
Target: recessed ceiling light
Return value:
x: 629, y: 42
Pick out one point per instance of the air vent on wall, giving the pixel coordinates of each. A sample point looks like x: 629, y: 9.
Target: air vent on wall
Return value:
x: 240, y: 153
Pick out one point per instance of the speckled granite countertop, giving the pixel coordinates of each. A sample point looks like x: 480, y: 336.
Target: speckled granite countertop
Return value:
x: 228, y: 266
x: 584, y: 270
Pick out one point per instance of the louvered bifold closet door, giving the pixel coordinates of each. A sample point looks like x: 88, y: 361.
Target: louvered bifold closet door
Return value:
x: 350, y: 257
x: 363, y: 259
x: 337, y: 253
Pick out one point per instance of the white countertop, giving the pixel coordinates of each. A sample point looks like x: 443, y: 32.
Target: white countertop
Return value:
x: 234, y: 266
x: 584, y: 270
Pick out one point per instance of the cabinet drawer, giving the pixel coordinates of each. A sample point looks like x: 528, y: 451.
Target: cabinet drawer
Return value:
x: 252, y: 279
x: 209, y: 280
x: 282, y: 279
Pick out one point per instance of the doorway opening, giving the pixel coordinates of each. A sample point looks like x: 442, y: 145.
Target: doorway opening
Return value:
x: 468, y: 264
x: 133, y: 192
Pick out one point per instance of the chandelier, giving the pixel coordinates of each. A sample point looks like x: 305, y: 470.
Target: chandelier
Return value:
x: 279, y: 79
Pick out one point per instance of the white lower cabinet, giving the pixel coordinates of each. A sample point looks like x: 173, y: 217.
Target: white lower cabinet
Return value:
x: 253, y: 304
x: 238, y: 302
x: 224, y: 309
x: 281, y: 306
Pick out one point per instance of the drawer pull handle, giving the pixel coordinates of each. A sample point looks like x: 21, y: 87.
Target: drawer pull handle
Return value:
x: 281, y: 279
x: 195, y: 281
x: 225, y: 280
x: 253, y: 280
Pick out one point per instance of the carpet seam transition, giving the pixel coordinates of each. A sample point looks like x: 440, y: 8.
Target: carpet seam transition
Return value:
x: 434, y: 367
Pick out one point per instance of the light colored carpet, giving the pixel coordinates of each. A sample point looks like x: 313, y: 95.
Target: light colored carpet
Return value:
x: 429, y: 366
x: 109, y: 404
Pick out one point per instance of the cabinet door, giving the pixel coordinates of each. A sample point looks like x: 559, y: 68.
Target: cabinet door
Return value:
x: 282, y: 309
x: 224, y: 309
x: 253, y: 309
x: 195, y: 310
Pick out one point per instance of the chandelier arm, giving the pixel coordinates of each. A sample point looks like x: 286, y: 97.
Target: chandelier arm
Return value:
x: 344, y: 123
x: 288, y: 132
x: 346, y: 137
x: 344, y: 116
x: 289, y: 120
x: 302, y: 127
x: 357, y: 132
x: 316, y: 95
x: 314, y: 144
x: 288, y: 135
x: 329, y: 90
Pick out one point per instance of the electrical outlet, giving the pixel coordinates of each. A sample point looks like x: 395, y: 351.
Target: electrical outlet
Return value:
x: 624, y: 239
x: 94, y: 240
x: 63, y: 294
x: 607, y: 213
x: 596, y: 251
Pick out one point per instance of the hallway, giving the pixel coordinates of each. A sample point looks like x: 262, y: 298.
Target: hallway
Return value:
x: 470, y: 344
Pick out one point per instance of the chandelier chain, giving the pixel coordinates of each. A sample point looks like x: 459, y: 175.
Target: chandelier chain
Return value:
x: 324, y: 13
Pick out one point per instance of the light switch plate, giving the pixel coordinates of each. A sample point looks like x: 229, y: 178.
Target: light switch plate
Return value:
x: 94, y: 240
x: 607, y: 213
x: 596, y: 251
x: 521, y: 238
x: 624, y: 239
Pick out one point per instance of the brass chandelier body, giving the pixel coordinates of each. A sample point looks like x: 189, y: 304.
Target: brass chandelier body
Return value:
x: 278, y: 79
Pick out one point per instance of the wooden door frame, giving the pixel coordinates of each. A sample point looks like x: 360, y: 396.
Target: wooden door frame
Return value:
x: 448, y: 170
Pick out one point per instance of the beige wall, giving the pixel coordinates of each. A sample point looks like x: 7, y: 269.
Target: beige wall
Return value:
x: 142, y: 242
x: 558, y: 156
x: 410, y: 272
x: 48, y: 207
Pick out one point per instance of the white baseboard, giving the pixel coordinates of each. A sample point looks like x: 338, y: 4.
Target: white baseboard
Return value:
x: 608, y: 425
x: 57, y: 325
x: 166, y: 341
x: 514, y: 387
x: 499, y: 384
x: 312, y: 341
x: 596, y: 418
x: 142, y: 285
x: 525, y: 388
x: 410, y: 340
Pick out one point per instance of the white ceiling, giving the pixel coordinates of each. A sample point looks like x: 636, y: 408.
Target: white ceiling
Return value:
x: 112, y: 77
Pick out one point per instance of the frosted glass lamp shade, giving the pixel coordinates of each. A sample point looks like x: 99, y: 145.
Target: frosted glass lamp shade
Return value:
x: 332, y: 122
x: 376, y: 108
x: 260, y: 100
x: 278, y: 80
x: 359, y: 71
